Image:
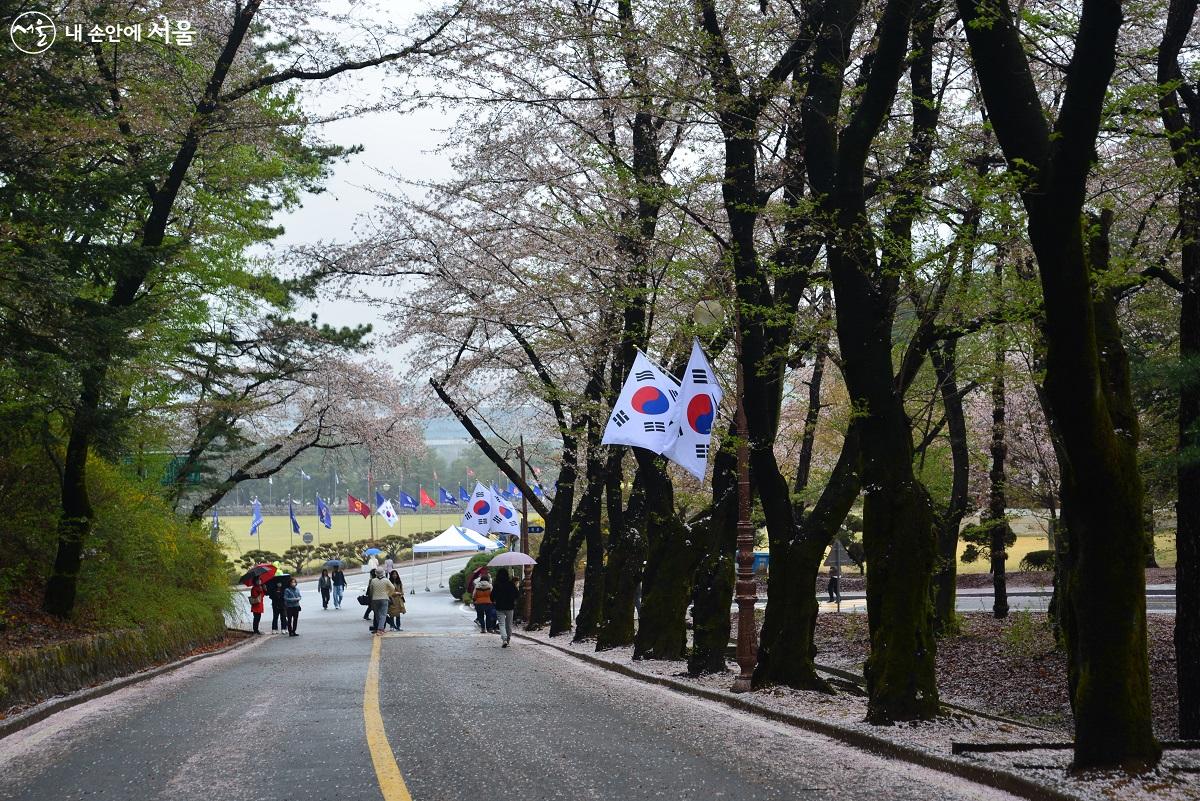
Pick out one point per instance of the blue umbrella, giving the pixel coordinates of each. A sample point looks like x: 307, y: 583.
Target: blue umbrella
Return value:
x: 372, y: 551
x: 333, y: 563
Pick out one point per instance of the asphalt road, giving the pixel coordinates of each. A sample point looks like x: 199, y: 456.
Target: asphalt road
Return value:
x: 458, y: 718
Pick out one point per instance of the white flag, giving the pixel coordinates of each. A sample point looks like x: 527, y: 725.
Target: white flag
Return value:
x: 388, y: 512
x: 699, y: 398
x: 504, y: 521
x: 480, y: 509
x: 645, y: 410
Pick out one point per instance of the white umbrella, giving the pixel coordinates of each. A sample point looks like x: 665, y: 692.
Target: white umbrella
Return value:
x: 512, y: 559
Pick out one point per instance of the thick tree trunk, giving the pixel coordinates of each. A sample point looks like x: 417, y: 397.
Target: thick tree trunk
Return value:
x: 75, y: 522
x: 786, y: 650
x: 586, y: 525
x: 1086, y: 385
x: 671, y: 559
x: 712, y: 587
x: 623, y: 563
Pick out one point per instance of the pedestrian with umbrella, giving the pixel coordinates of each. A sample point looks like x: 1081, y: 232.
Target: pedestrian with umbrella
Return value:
x: 275, y: 589
x: 255, y: 578
x: 339, y: 582
x: 504, y: 592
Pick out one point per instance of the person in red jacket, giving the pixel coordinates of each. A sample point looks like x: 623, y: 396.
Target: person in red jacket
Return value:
x: 257, y: 593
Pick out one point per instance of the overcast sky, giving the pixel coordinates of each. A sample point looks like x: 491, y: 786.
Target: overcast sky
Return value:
x: 395, y: 144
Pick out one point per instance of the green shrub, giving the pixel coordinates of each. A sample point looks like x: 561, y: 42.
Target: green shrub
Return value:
x: 1038, y: 560
x: 458, y: 584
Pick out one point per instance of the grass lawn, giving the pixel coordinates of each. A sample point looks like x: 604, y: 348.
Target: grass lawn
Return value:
x: 275, y: 534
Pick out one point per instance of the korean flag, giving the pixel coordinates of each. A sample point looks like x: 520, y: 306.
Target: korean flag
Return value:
x: 645, y: 409
x: 481, y: 506
x: 504, y: 521
x: 699, y: 398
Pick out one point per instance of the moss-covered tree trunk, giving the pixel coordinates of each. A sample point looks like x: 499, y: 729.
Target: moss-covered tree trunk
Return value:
x: 786, y: 649
x: 1086, y: 383
x: 587, y: 521
x: 623, y: 562
x: 671, y: 559
x: 713, y: 584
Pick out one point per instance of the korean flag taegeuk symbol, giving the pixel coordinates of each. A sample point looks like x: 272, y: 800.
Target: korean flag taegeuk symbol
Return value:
x: 699, y: 398
x: 480, y: 508
x: 505, y: 520
x: 645, y: 410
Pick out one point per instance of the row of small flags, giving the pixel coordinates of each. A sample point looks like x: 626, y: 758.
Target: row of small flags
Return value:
x: 407, y: 501
x: 486, y: 513
x: 671, y: 418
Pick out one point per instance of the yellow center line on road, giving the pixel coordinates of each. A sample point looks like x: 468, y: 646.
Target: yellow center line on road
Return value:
x: 391, y: 783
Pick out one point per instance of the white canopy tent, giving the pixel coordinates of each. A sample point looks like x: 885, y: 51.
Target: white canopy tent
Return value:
x: 453, y: 539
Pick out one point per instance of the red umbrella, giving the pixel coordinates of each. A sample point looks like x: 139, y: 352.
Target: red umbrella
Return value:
x: 263, y: 572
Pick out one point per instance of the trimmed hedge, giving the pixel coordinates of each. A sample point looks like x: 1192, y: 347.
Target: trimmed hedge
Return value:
x: 30, y: 675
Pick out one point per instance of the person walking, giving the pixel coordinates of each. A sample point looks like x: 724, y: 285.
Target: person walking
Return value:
x: 396, y: 601
x: 291, y: 599
x: 484, y: 608
x: 257, y: 594
x: 278, y: 615
x: 379, y: 590
x: 480, y: 573
x: 339, y: 586
x: 835, y: 591
x: 504, y: 596
x: 325, y: 587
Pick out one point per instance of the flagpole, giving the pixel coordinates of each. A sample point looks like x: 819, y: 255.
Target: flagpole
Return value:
x: 291, y: 530
x: 370, y: 498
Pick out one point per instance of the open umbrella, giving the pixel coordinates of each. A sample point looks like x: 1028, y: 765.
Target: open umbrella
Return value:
x: 372, y: 551
x: 263, y: 572
x: 333, y: 563
x: 512, y: 559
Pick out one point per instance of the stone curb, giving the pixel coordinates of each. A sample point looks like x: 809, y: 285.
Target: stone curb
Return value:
x: 38, y: 713
x: 980, y: 774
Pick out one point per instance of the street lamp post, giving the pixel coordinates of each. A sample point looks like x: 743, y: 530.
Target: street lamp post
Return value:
x: 746, y: 588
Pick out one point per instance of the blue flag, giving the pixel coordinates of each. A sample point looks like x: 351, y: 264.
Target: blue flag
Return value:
x: 445, y: 497
x: 407, y: 501
x: 323, y: 513
x: 292, y: 514
x: 537, y: 490
x: 216, y: 520
x: 463, y: 495
x: 257, y: 519
x: 513, y: 491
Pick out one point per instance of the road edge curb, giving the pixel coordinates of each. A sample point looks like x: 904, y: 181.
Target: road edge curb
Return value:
x: 991, y: 777
x: 53, y: 706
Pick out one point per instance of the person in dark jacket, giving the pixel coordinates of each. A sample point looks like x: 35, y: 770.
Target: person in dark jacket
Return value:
x: 339, y: 586
x: 835, y: 581
x: 291, y: 601
x: 325, y: 587
x: 278, y: 614
x: 504, y: 596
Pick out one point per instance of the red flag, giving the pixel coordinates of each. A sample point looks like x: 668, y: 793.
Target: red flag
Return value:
x: 355, y: 505
x: 425, y: 499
